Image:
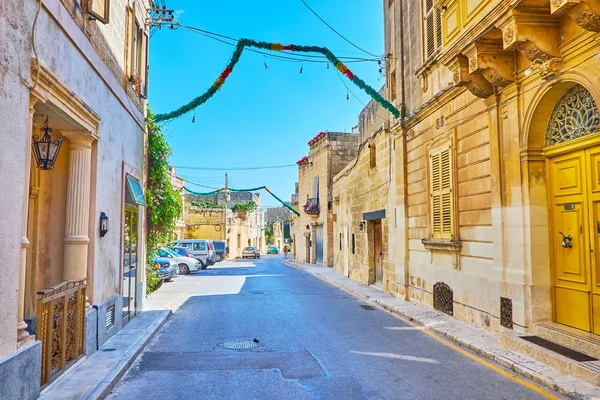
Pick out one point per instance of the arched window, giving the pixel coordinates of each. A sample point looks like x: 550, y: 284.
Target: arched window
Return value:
x: 575, y: 115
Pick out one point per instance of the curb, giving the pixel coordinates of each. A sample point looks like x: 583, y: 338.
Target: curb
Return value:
x: 515, y: 367
x: 113, y: 377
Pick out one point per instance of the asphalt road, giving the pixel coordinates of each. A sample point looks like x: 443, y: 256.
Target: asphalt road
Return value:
x: 314, y: 342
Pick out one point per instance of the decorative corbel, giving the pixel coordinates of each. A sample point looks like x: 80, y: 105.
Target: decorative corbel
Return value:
x: 535, y: 35
x: 486, y: 57
x: 476, y: 83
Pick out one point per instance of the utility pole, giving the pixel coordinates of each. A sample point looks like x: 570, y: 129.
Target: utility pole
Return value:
x: 226, y: 208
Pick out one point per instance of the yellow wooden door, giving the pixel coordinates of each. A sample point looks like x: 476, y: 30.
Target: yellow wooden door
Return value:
x: 569, y: 240
x: 593, y: 175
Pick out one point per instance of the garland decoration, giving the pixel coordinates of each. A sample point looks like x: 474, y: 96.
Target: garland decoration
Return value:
x: 237, y: 53
x: 244, y: 190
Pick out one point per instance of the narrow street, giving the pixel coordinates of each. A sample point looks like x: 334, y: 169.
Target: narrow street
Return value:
x: 314, y: 342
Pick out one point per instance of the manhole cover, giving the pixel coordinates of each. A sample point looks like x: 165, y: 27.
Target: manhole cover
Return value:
x: 367, y: 307
x: 239, y: 344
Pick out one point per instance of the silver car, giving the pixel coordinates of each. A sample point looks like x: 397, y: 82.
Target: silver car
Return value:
x: 250, y: 252
x: 199, y: 249
x: 185, y: 264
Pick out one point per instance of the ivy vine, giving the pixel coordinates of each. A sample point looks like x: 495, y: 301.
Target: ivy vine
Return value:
x: 164, y: 202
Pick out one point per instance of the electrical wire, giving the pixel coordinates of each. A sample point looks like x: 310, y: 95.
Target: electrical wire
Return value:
x: 235, y: 168
x: 356, y: 97
x: 333, y: 29
x: 289, y: 55
x: 204, y: 186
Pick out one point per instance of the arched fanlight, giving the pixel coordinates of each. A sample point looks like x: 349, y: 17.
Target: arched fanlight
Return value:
x: 45, y: 149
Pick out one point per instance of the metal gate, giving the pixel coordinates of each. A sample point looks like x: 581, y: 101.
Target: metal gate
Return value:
x: 61, y: 326
x: 319, y: 245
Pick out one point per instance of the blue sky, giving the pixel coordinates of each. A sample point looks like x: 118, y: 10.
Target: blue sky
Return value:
x: 260, y: 117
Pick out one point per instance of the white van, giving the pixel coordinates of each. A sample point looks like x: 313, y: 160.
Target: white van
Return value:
x: 200, y: 249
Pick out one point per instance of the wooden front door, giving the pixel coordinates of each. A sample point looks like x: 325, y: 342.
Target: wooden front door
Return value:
x: 575, y: 208
x: 378, y: 252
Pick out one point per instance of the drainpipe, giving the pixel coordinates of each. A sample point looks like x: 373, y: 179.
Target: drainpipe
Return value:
x: 404, y: 174
x: 402, y: 89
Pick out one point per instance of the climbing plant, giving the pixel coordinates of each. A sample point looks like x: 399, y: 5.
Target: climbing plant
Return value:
x: 164, y: 202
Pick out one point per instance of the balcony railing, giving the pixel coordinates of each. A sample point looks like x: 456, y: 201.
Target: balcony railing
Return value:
x: 61, y: 325
x: 312, y: 206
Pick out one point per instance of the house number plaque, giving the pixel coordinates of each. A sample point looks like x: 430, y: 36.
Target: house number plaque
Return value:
x: 569, y: 207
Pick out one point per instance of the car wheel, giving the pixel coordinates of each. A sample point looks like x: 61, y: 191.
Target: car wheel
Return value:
x: 183, y: 269
x: 203, y: 265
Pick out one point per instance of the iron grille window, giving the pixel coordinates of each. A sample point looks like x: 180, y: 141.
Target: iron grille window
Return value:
x: 353, y: 244
x: 433, y: 27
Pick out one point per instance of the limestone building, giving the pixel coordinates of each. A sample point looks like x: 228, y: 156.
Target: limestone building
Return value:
x: 361, y: 198
x: 312, y: 232
x: 494, y: 216
x: 72, y: 227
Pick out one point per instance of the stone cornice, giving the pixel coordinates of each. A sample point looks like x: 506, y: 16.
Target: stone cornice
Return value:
x: 50, y: 88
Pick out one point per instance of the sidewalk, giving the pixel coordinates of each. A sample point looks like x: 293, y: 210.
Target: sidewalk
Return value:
x: 95, y: 376
x: 476, y: 339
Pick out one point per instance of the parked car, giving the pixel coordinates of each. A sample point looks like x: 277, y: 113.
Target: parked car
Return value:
x: 185, y: 264
x: 212, y: 254
x: 198, y: 249
x: 250, y: 252
x: 221, y: 249
x: 166, y: 268
x: 272, y: 249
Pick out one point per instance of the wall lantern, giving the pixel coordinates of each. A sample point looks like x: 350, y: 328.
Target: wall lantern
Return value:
x: 45, y: 149
x: 103, y: 224
x: 361, y: 226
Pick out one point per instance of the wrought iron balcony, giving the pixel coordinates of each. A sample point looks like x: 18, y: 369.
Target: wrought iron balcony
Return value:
x: 312, y: 206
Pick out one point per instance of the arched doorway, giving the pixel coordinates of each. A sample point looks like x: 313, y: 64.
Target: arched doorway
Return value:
x: 566, y: 130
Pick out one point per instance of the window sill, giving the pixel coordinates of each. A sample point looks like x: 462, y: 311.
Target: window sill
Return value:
x: 451, y: 246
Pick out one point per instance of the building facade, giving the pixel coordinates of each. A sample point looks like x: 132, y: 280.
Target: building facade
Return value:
x: 178, y: 184
x: 73, y: 226
x: 312, y: 232
x: 493, y: 217
x: 362, y: 193
x: 205, y: 218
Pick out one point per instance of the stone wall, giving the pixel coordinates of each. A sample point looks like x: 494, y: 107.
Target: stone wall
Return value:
x: 329, y: 153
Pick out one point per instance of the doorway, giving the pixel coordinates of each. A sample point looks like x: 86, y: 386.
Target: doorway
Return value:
x: 574, y: 198
x: 378, y: 252
x: 130, y: 262
x: 319, y: 245
x: 345, y: 254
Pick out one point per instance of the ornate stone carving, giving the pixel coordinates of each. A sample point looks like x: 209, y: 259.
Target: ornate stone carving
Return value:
x: 443, y: 298
x: 575, y: 115
x: 588, y: 20
x: 489, y: 59
x: 550, y: 67
x: 508, y: 35
x: 476, y: 83
x: 536, y: 35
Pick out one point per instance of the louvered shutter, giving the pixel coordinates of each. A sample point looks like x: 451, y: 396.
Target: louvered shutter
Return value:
x: 441, y: 194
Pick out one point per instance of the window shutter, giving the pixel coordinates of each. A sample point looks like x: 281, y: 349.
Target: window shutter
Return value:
x: 441, y: 194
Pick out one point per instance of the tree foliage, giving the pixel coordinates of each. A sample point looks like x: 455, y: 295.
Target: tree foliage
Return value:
x: 164, y: 202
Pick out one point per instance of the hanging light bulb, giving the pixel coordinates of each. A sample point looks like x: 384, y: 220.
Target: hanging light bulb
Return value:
x: 301, y: 67
x: 347, y: 96
x: 193, y: 119
x: 266, y: 66
x: 327, y: 65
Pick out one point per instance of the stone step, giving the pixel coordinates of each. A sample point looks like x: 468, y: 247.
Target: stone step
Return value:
x: 572, y: 338
x: 588, y: 371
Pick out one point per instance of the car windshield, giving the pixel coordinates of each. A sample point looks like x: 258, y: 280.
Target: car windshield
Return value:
x: 164, y: 252
x: 248, y: 248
